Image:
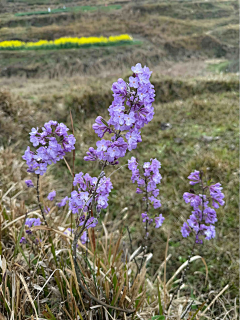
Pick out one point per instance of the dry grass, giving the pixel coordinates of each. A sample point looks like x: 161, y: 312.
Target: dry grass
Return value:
x: 40, y: 283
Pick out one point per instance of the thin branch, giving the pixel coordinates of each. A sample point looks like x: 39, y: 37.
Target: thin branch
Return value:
x: 130, y: 239
x: 39, y: 203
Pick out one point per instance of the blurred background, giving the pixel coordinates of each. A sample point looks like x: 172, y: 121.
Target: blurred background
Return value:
x: 192, y: 49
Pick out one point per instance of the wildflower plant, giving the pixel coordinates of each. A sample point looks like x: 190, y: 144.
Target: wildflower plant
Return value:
x: 130, y: 111
x: 201, y: 221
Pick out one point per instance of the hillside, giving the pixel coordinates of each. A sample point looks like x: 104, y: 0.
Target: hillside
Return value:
x: 192, y: 49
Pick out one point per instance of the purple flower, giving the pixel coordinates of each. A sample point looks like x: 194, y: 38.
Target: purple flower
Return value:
x: 100, y: 128
x: 133, y: 82
x: 81, y: 199
x: 185, y: 230
x: 133, y: 137
x: 91, y: 223
x: 32, y: 222
x: 210, y: 215
x: 216, y: 195
x: 137, y: 69
x: 84, y: 237
x: 156, y: 203
x: 23, y: 240
x: 63, y: 202
x: 209, y: 232
x: 193, y: 222
x: 194, y: 200
x: 102, y: 145
x: 33, y: 138
x: 119, y: 87
x: 51, y: 195
x: 50, y: 150
x: 129, y: 118
x: 153, y: 177
x: 29, y: 183
x: 159, y: 221
x: 195, y: 176
x: 47, y: 210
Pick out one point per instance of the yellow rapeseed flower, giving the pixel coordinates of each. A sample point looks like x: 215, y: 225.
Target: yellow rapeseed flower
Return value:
x: 15, y: 44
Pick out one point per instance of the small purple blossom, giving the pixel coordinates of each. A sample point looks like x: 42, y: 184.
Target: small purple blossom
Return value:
x: 185, y: 230
x: 146, y: 218
x: 84, y: 237
x: 147, y: 185
x: 47, y: 210
x: 195, y: 177
x: 32, y: 222
x: 23, y: 240
x: 29, y: 183
x: 63, y: 202
x: 159, y: 221
x: 51, y: 195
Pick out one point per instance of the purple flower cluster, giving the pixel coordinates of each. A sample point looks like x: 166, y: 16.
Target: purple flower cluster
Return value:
x: 53, y: 141
x: 158, y: 220
x: 29, y: 223
x: 81, y: 199
x: 91, y: 222
x: 32, y: 222
x: 130, y: 110
x: 147, y: 184
x: 203, y: 217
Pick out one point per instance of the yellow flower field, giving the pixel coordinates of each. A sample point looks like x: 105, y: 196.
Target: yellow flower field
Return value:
x: 65, y: 43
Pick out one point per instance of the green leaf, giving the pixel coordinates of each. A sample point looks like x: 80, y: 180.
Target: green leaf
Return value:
x: 200, y: 308
x: 104, y: 122
x: 159, y: 301
x: 158, y: 318
x: 209, y: 182
x: 19, y: 237
x: 50, y: 314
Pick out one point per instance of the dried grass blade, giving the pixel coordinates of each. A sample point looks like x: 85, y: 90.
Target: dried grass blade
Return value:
x: 76, y: 282
x: 116, y: 248
x: 183, y: 266
x: 29, y: 294
x: 217, y: 296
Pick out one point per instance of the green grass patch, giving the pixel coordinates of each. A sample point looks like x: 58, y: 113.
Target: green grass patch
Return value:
x: 70, y: 9
x: 226, y: 66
